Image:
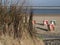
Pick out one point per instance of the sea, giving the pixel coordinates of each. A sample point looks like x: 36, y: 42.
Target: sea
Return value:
x: 46, y: 11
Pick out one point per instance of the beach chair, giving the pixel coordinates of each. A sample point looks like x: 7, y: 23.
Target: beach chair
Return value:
x: 52, y: 27
x: 45, y: 22
x: 33, y: 22
x: 53, y: 22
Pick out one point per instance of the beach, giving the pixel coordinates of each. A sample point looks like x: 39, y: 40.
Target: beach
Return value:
x: 39, y: 18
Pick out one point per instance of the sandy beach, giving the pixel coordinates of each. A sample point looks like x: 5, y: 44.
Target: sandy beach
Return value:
x: 40, y: 17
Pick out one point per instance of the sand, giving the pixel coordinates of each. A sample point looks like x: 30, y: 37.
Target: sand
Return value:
x: 40, y: 17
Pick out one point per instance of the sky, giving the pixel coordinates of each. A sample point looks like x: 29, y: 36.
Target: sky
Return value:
x: 37, y: 2
x: 44, y: 2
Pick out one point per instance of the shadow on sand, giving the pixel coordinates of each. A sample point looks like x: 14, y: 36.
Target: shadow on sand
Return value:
x: 40, y: 24
x: 42, y: 28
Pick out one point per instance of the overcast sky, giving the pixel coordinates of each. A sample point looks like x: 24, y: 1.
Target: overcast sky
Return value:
x: 39, y: 2
x: 44, y: 2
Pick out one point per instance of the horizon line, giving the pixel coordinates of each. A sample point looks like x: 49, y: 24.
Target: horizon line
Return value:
x: 40, y: 7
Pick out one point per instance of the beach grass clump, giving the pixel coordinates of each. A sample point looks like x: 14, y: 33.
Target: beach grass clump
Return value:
x: 17, y: 29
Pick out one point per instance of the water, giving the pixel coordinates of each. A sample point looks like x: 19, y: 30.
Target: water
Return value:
x: 46, y: 11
